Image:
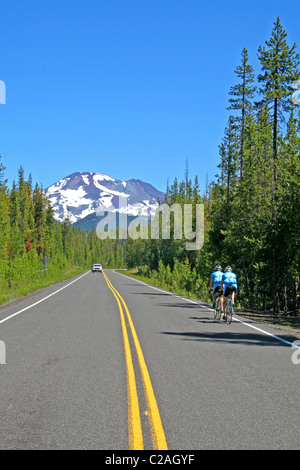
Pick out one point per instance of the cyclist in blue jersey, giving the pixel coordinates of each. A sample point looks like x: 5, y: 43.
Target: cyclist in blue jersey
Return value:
x: 228, y: 284
x: 215, y: 282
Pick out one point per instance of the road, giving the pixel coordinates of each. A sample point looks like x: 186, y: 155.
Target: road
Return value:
x: 179, y: 381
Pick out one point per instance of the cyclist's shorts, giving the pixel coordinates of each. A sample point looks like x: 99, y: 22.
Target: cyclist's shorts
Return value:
x: 218, y: 290
x: 229, y: 290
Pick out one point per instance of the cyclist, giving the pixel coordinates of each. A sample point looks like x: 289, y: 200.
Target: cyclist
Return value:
x: 228, y: 284
x: 215, y: 282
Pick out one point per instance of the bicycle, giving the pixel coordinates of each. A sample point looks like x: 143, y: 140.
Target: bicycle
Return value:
x: 218, y: 306
x: 229, y: 312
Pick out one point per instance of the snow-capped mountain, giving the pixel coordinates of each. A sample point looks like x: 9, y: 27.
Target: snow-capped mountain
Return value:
x: 84, y: 193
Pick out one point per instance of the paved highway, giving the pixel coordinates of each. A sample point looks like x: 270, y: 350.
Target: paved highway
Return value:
x: 107, y: 362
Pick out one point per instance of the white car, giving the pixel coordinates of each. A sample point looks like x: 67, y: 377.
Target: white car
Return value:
x: 97, y: 268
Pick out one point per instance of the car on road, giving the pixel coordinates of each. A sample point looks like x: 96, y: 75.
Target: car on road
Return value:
x: 97, y: 268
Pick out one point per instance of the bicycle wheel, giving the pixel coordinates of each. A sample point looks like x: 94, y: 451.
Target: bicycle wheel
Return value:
x: 215, y: 308
x: 218, y: 309
x: 229, y: 312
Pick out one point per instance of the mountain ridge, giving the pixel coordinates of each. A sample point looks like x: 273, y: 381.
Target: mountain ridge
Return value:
x: 81, y: 194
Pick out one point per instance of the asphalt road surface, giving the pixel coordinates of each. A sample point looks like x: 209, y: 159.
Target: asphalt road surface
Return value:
x: 108, y: 362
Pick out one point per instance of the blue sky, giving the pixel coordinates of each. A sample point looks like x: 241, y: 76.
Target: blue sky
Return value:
x: 129, y: 88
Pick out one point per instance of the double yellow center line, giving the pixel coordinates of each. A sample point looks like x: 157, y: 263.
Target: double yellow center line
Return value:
x: 134, y: 419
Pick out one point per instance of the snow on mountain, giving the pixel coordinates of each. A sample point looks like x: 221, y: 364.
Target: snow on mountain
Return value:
x: 83, y: 193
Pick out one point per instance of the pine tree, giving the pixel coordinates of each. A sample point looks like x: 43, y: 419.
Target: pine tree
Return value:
x: 50, y: 241
x: 251, y: 215
x: 280, y: 66
x: 3, y: 181
x: 4, y: 214
x: 67, y: 239
x: 16, y: 241
x: 288, y: 217
x: 229, y: 163
x: 243, y: 94
x: 39, y: 203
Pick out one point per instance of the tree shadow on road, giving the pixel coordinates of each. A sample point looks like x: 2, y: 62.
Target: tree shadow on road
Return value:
x: 248, y: 339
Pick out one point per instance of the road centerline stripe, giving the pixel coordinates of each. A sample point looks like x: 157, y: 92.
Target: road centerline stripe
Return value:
x: 157, y: 431
x: 134, y: 419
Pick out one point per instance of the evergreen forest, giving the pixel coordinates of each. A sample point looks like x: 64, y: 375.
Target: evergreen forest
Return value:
x: 29, y: 233
x: 251, y: 209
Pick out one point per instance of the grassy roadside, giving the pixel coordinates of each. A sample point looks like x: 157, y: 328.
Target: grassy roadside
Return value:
x: 24, y: 288
x: 288, y: 323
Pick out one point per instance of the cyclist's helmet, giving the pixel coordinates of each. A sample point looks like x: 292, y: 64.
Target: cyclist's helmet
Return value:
x: 218, y: 268
x: 228, y: 269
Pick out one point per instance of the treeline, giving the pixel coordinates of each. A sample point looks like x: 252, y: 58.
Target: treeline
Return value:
x: 29, y: 232
x: 252, y: 209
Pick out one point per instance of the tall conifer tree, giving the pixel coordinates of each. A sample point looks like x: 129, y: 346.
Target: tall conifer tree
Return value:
x: 280, y: 70
x: 242, y: 97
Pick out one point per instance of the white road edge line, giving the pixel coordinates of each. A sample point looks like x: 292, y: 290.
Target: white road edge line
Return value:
x: 42, y: 300
x: 208, y: 308
x: 266, y: 332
